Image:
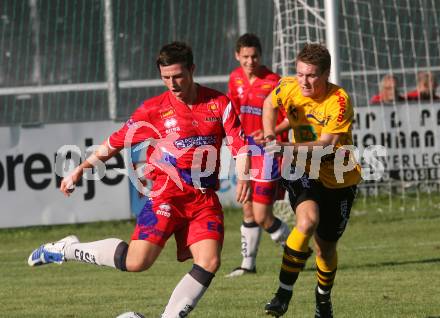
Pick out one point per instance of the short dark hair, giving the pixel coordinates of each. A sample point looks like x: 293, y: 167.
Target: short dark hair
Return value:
x: 175, y: 52
x: 315, y: 54
x: 248, y: 40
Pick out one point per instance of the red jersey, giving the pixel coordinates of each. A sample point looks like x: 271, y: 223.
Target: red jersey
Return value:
x: 377, y: 99
x: 416, y: 95
x: 183, y: 138
x: 248, y: 98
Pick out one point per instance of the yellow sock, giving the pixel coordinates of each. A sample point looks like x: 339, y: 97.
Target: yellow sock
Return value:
x: 298, y: 241
x: 326, y: 272
x: 296, y: 253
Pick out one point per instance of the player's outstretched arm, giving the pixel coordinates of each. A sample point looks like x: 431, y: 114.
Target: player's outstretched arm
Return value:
x: 101, y: 155
x: 269, y: 117
x: 243, y: 189
x: 282, y: 127
x: 258, y: 135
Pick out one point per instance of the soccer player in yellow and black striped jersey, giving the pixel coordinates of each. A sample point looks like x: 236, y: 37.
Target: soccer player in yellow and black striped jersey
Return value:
x: 321, y: 194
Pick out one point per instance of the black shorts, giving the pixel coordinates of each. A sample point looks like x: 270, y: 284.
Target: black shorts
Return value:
x: 334, y: 204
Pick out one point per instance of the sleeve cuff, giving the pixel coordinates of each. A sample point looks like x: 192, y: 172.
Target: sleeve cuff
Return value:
x: 110, y: 145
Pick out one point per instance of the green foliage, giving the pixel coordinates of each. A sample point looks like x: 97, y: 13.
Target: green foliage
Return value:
x: 388, y: 267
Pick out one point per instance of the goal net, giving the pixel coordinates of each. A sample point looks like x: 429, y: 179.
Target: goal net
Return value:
x: 377, y: 39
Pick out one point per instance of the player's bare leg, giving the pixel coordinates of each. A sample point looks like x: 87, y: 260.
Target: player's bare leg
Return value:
x: 190, y: 289
x: 277, y: 229
x: 141, y: 255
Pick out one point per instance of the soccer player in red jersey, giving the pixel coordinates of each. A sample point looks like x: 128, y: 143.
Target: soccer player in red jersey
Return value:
x: 389, y: 92
x: 249, y: 85
x: 185, y: 127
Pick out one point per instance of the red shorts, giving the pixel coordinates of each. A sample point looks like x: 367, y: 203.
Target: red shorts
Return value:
x: 189, y: 214
x: 267, y: 192
x: 264, y: 167
x: 265, y: 176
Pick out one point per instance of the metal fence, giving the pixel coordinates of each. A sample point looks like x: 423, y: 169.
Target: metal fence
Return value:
x: 53, y: 53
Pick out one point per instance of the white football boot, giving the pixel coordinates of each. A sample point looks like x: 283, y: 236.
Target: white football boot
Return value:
x: 51, y: 252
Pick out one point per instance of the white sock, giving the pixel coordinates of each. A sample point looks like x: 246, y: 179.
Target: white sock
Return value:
x: 184, y: 297
x: 250, y: 240
x: 97, y: 252
x: 323, y: 292
x: 281, y: 234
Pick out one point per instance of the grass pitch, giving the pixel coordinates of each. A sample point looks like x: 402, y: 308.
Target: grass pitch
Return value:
x: 389, y: 266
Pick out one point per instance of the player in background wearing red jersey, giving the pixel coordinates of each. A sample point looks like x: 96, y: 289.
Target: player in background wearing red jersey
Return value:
x: 426, y: 88
x: 187, y: 124
x: 249, y: 85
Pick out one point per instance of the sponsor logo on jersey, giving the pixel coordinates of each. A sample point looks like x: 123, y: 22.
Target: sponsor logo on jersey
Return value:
x: 195, y: 141
x: 239, y: 81
x: 320, y: 122
x: 167, y: 113
x: 293, y: 112
x: 240, y: 91
x: 279, y: 102
x: 212, y: 106
x: 164, y: 209
x: 245, y: 109
x: 306, y: 133
x: 212, y: 119
x: 171, y: 122
x: 163, y: 213
x: 131, y: 123
x: 171, y: 130
x: 266, y: 86
x: 262, y: 96
x: 342, y: 101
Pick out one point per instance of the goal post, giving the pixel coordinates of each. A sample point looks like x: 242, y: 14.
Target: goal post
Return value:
x: 332, y: 38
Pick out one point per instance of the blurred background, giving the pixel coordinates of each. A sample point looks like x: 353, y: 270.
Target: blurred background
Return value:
x: 53, y: 53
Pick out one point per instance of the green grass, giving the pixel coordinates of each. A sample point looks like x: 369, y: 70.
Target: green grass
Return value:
x: 389, y: 266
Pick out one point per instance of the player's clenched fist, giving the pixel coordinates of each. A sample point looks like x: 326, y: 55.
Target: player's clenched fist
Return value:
x: 68, y: 183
